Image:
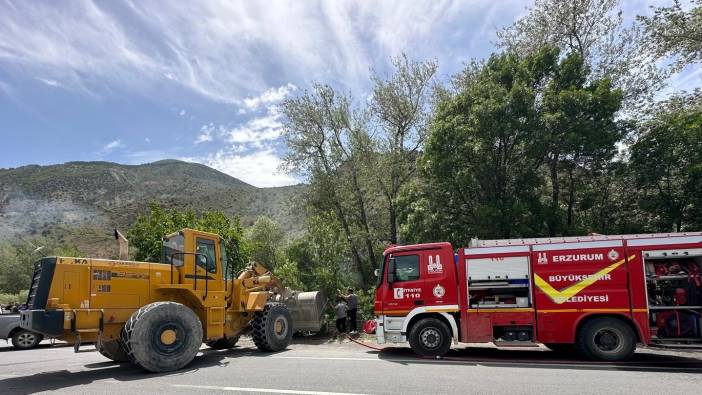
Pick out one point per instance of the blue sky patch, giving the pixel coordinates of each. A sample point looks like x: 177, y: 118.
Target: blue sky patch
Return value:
x: 135, y: 82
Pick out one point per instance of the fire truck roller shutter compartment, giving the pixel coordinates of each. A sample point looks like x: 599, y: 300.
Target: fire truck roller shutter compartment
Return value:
x: 498, y: 282
x: 499, y: 297
x: 674, y: 294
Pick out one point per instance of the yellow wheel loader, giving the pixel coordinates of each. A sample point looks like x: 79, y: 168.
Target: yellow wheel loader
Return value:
x: 157, y: 315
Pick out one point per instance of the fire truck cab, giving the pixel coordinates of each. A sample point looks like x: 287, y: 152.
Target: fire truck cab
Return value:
x: 600, y: 295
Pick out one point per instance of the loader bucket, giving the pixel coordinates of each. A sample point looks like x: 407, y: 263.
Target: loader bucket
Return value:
x: 306, y: 309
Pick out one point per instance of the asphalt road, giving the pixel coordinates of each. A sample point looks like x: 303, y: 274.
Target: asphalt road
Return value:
x: 318, y: 366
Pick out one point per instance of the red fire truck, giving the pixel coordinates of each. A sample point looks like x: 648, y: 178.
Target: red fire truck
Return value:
x: 600, y: 295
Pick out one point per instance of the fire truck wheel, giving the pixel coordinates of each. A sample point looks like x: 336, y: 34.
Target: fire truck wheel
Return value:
x: 112, y: 349
x: 272, y: 327
x: 430, y: 337
x: 162, y: 336
x: 223, y: 343
x: 606, y: 339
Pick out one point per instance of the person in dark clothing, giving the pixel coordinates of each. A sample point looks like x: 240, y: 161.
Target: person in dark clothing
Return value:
x: 341, y: 310
x: 352, y: 300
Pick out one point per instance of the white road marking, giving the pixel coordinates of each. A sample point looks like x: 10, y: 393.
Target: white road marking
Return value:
x: 262, y: 390
x: 329, y: 358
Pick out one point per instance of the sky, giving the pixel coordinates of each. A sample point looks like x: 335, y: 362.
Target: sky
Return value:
x: 139, y: 81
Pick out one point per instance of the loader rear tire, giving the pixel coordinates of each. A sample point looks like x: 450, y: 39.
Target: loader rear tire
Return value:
x: 272, y: 327
x: 162, y: 336
x: 112, y: 349
x: 223, y: 343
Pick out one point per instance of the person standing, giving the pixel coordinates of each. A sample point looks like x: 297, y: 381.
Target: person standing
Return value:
x: 352, y: 300
x: 341, y: 309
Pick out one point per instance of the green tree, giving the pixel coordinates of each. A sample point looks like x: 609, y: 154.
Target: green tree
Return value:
x: 147, y: 232
x: 266, y: 241
x: 229, y: 228
x: 17, y: 261
x: 578, y: 115
x: 429, y: 212
x: 320, y: 257
x: 321, y: 134
x: 595, y: 30
x: 401, y: 105
x: 16, y: 268
x: 607, y: 202
x: 289, y: 273
x: 667, y: 165
x: 486, y: 147
x: 675, y: 32
x: 511, y: 124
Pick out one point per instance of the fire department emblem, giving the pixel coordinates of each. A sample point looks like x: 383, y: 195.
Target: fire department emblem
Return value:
x: 435, y: 266
x: 613, y: 255
x: 542, y: 260
x: 439, y: 291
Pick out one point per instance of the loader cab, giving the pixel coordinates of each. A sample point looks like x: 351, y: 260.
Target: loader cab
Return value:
x: 196, y: 257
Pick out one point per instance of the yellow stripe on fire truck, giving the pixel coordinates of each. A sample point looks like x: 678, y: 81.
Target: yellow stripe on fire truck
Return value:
x: 560, y: 297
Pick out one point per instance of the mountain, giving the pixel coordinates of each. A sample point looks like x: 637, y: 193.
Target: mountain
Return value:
x: 81, y: 202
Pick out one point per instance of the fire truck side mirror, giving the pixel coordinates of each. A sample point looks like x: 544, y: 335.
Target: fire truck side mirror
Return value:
x: 376, y: 272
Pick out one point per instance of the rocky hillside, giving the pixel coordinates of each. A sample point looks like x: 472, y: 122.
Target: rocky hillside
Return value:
x: 81, y: 202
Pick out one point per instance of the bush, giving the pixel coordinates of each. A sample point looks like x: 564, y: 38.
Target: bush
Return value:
x: 18, y: 298
x: 366, y: 303
x: 17, y: 261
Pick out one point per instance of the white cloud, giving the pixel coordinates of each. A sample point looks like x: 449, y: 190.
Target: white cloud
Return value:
x: 205, y: 134
x: 49, y: 82
x: 264, y: 128
x: 259, y: 169
x: 148, y: 140
x: 181, y: 113
x: 271, y: 96
x: 81, y: 43
x: 220, y: 49
x: 111, y: 146
x: 225, y: 50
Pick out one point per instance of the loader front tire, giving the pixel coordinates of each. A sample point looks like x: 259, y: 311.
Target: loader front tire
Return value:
x: 223, y: 343
x: 162, y: 336
x: 272, y: 327
x: 112, y: 349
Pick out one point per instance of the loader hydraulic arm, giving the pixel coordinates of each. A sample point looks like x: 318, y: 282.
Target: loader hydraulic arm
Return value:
x: 258, y: 276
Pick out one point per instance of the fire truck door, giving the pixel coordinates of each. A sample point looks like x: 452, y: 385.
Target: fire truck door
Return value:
x: 439, y: 271
x: 404, y: 286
